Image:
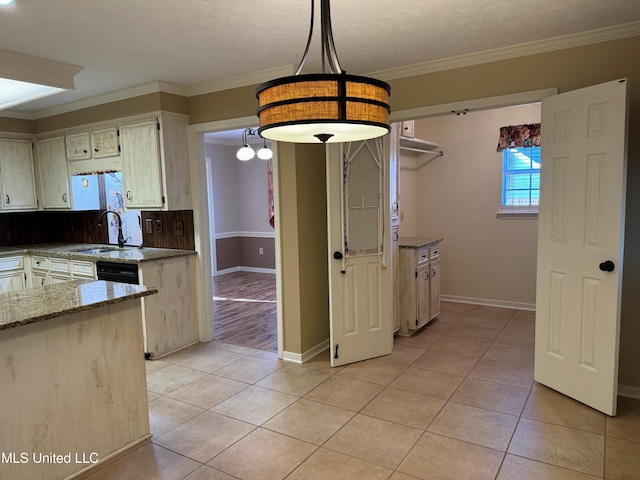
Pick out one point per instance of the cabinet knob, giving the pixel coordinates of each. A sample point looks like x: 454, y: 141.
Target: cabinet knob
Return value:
x: 337, y: 255
x: 85, y: 151
x: 64, y: 197
x: 128, y: 194
x: 8, y: 200
x: 96, y: 150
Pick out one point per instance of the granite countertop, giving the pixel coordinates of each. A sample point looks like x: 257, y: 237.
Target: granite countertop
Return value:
x: 417, y: 242
x: 89, y: 251
x: 42, y: 303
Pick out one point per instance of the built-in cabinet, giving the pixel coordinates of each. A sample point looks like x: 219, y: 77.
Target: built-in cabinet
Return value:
x: 155, y: 163
x: 169, y: 318
x: 141, y: 166
x: 17, y: 175
x: 419, y: 284
x: 151, y: 150
x: 52, y: 270
x: 95, y: 144
x: 12, y: 276
x: 53, y: 173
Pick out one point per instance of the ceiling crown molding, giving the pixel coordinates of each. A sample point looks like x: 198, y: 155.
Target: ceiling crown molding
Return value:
x: 132, y: 92
x: 513, y: 51
x: 523, y: 49
x: 242, y: 81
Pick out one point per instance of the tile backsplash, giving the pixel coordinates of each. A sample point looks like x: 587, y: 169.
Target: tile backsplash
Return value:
x: 176, y: 228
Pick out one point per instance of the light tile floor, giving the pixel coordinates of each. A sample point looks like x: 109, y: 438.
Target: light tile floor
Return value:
x: 455, y: 401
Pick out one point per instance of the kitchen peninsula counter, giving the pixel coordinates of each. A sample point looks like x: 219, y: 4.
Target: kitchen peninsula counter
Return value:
x: 72, y: 377
x: 38, y: 304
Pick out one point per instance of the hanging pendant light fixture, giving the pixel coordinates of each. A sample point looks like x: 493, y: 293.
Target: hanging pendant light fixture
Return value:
x: 323, y: 107
x: 245, y: 152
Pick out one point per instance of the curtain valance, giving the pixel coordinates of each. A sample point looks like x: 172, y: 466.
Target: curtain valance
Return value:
x: 513, y: 136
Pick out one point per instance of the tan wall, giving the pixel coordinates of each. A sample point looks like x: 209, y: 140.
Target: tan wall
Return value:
x: 305, y: 279
x: 457, y: 196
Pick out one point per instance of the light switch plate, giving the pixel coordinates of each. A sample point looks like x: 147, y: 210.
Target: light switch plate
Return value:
x: 148, y: 225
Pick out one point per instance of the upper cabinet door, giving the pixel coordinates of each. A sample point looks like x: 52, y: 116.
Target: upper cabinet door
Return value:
x: 104, y: 143
x: 141, y: 166
x: 78, y: 147
x: 53, y: 173
x: 18, y: 180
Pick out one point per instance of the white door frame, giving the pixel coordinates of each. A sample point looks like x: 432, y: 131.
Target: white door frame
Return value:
x: 200, y: 200
x: 202, y: 229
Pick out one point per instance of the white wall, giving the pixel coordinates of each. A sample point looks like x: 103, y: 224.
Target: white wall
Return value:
x: 239, y: 191
x: 457, y: 197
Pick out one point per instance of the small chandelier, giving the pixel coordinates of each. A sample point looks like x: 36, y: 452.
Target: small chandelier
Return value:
x: 323, y: 107
x: 247, y: 153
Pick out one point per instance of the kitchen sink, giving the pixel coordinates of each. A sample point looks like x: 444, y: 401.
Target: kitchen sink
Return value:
x: 96, y: 250
x: 100, y: 250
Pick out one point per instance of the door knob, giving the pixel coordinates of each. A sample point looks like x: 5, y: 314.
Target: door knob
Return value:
x: 607, y: 266
x: 337, y: 255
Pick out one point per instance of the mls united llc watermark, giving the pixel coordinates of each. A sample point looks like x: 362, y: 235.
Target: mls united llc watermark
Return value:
x: 51, y: 457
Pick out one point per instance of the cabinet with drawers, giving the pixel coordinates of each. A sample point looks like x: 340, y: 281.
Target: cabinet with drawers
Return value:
x: 12, y: 277
x: 419, y: 285
x: 52, y: 270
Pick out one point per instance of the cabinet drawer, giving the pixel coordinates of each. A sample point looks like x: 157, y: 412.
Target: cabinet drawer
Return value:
x: 39, y: 263
x: 83, y: 269
x: 11, y: 263
x: 434, y: 252
x: 59, y: 265
x: 423, y: 256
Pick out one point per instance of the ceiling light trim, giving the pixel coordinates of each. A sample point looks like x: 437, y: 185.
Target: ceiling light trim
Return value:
x: 25, y: 68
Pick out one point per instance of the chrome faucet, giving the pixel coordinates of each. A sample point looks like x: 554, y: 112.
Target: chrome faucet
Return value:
x: 120, y: 235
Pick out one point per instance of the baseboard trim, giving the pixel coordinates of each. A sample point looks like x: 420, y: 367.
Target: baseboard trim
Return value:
x: 245, y: 269
x: 488, y: 302
x: 628, y: 391
x: 301, y: 358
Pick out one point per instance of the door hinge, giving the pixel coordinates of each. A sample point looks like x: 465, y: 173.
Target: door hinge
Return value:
x: 416, y: 274
x: 25, y: 277
x: 158, y: 124
x: 118, y: 133
x: 119, y: 151
x: 416, y: 323
x: 336, y: 354
x: 163, y: 199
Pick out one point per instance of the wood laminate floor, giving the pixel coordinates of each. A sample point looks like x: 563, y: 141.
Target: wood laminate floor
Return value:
x: 244, y: 309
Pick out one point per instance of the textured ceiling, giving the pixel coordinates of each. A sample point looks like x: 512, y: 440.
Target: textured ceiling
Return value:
x: 124, y: 43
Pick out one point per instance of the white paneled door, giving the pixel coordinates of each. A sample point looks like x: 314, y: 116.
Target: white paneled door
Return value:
x: 359, y: 250
x: 580, y: 243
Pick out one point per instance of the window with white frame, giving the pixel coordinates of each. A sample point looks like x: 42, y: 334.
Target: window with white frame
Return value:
x: 521, y: 179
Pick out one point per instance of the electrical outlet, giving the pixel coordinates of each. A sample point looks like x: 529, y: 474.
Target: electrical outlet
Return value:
x: 148, y: 225
x: 260, y: 251
x: 158, y: 226
x: 178, y: 228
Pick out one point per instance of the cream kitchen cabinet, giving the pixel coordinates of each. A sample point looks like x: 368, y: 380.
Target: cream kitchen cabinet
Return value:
x: 155, y: 164
x: 17, y: 175
x: 53, y: 173
x: 434, y: 281
x: 419, y: 285
x: 169, y: 318
x: 52, y: 270
x: 12, y: 276
x: 78, y: 146
x: 98, y: 143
